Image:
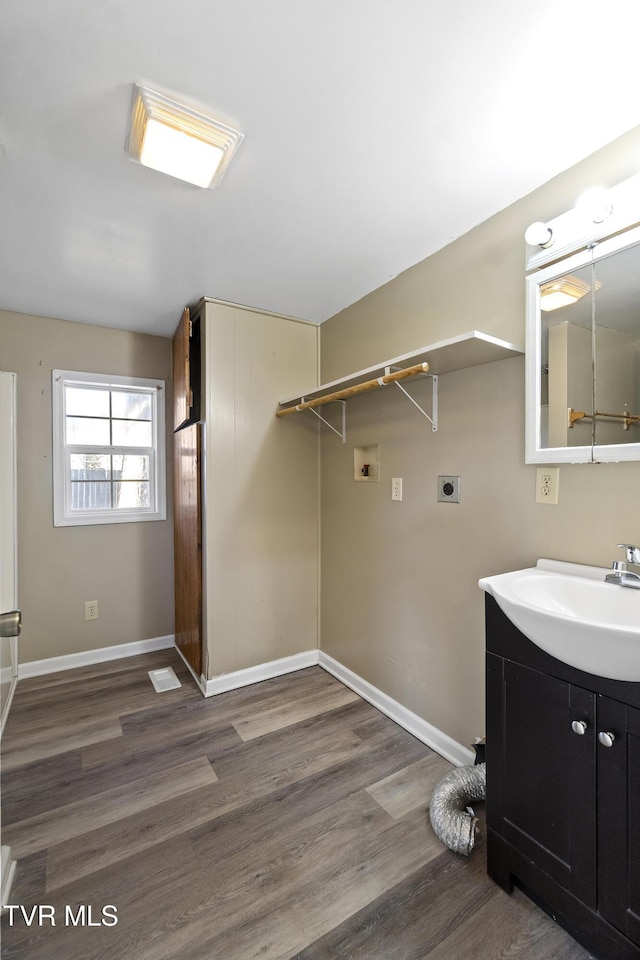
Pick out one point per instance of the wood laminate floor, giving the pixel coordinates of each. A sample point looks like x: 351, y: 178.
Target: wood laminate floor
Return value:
x: 283, y: 820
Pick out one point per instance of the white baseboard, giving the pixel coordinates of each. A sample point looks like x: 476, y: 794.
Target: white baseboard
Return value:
x: 263, y: 671
x: 12, y: 683
x: 7, y: 871
x: 444, y: 745
x: 37, y: 668
x: 199, y: 681
x: 423, y: 731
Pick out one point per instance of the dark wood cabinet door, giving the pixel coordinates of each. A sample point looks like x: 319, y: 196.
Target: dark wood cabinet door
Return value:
x: 619, y: 817
x: 187, y: 503
x: 633, y: 825
x: 562, y: 803
x: 541, y: 791
x: 182, y: 392
x: 188, y: 545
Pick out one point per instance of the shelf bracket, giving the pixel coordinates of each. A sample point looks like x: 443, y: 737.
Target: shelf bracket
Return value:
x: 343, y: 433
x: 433, y: 419
x: 339, y: 396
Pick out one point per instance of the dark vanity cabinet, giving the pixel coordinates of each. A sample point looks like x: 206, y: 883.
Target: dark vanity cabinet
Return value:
x: 563, y: 789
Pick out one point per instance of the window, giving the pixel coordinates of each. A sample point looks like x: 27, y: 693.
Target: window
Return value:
x: 108, y: 449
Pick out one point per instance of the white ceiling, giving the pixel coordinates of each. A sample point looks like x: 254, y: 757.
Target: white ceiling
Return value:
x: 376, y: 131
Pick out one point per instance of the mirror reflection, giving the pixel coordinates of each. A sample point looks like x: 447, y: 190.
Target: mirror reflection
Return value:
x: 617, y: 348
x: 589, y: 328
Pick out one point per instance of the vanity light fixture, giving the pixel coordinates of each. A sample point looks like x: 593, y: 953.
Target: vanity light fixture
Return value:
x: 598, y: 214
x: 178, y: 140
x: 562, y: 292
x: 595, y: 204
x: 538, y: 234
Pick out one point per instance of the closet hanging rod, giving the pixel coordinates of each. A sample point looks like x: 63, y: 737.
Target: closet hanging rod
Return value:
x: 576, y: 415
x: 357, y: 388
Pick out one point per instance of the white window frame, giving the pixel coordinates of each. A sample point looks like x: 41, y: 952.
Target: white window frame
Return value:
x: 63, y: 514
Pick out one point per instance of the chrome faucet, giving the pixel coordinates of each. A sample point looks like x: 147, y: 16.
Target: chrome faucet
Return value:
x: 620, y: 575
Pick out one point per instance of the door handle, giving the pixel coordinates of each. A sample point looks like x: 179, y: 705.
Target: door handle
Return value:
x: 10, y: 624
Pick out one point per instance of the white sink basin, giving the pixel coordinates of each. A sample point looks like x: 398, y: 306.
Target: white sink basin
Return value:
x: 570, y: 612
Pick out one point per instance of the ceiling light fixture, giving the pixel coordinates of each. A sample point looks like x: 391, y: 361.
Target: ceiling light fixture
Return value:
x: 562, y: 292
x: 177, y: 140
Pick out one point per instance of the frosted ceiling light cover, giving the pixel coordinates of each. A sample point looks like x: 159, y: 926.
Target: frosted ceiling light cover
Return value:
x: 562, y: 292
x: 179, y: 141
x: 179, y: 155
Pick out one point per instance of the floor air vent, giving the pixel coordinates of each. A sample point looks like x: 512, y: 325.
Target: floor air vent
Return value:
x: 164, y: 679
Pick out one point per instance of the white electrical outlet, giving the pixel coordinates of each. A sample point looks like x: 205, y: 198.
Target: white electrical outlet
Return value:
x: 396, y: 488
x: 91, y: 609
x: 547, y: 482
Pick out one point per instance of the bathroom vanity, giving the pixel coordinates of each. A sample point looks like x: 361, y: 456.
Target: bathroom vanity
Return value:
x: 563, y: 788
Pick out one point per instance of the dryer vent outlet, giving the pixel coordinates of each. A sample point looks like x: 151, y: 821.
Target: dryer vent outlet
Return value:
x: 449, y: 489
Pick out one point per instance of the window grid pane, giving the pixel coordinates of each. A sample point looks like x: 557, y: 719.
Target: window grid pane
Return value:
x: 131, y: 406
x: 110, y: 443
x: 88, y: 430
x: 110, y: 481
x: 108, y: 417
x: 90, y: 466
x: 86, y: 402
x: 131, y: 495
x: 131, y: 466
x: 131, y: 433
x: 91, y: 495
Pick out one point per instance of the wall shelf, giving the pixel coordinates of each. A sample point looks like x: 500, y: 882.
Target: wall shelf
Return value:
x: 467, y: 350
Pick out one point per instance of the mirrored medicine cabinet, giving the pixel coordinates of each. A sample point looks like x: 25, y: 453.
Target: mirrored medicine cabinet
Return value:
x: 583, y: 354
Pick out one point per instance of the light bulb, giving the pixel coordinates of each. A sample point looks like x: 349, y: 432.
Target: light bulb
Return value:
x: 595, y: 204
x: 538, y: 234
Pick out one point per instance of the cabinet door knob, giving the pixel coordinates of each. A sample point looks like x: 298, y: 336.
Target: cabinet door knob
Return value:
x: 606, y: 738
x: 579, y: 727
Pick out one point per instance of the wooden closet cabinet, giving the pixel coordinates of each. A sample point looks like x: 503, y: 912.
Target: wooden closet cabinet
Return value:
x: 245, y: 494
x: 187, y: 491
x: 563, y: 789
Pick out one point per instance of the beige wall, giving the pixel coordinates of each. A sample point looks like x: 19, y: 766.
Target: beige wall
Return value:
x: 475, y: 283
x: 127, y: 567
x: 261, y: 545
x: 400, y: 602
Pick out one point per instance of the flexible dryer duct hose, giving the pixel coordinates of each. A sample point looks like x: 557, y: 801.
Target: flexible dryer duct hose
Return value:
x: 451, y: 821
